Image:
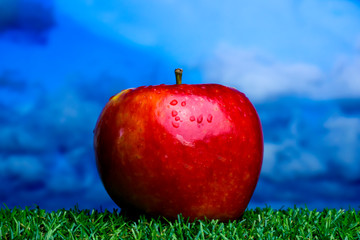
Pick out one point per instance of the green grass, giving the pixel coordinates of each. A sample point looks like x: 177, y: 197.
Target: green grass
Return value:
x: 266, y: 223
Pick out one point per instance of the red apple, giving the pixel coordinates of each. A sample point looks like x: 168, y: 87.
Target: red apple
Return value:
x: 170, y: 149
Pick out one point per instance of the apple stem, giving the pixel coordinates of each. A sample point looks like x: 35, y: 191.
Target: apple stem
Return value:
x: 178, y: 74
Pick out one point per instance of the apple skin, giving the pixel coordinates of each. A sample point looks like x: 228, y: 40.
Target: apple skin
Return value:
x: 170, y: 149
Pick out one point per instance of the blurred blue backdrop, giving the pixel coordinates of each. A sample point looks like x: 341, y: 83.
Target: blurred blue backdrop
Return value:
x: 297, y: 61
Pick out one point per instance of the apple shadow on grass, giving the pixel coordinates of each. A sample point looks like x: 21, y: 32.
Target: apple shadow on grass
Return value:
x: 136, y: 215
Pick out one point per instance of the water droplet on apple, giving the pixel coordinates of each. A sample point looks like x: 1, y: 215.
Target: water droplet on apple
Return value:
x: 177, y: 118
x: 209, y: 118
x: 121, y: 132
x: 200, y: 118
x: 173, y: 102
x: 174, y: 113
x: 175, y: 124
x: 183, y: 103
x: 192, y: 118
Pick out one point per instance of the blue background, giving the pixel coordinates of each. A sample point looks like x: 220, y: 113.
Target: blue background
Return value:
x: 297, y: 61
